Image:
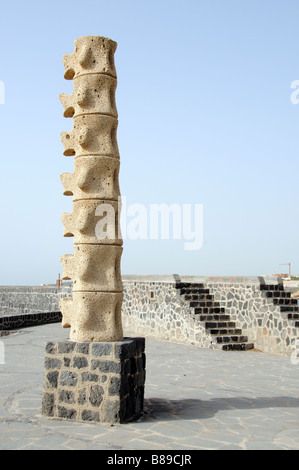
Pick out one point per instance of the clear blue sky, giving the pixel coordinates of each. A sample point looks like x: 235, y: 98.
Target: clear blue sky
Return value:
x: 205, y: 117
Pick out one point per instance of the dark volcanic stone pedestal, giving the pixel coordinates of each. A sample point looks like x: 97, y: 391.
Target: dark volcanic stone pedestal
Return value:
x: 95, y: 382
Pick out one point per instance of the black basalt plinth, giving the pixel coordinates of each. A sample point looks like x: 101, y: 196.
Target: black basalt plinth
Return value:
x: 96, y: 382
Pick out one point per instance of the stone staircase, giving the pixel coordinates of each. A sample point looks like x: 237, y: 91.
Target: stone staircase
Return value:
x: 217, y: 322
x: 282, y: 298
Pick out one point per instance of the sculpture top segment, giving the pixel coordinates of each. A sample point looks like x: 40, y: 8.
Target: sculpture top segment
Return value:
x: 93, y: 54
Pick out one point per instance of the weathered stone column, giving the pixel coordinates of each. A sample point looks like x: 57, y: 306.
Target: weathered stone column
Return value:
x: 94, y: 312
x: 98, y: 375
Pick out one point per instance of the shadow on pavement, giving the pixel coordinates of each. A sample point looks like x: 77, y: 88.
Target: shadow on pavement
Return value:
x: 162, y: 409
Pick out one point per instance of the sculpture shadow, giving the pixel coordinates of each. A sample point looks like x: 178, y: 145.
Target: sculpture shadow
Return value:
x: 193, y: 408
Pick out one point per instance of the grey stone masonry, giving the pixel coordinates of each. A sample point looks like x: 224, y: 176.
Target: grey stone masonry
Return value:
x: 23, y: 300
x: 96, y: 382
x: 231, y: 313
x: 31, y: 319
x: 215, y: 318
x: 260, y: 311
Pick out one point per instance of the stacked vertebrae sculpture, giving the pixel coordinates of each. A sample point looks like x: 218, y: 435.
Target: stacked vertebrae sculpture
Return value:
x: 94, y: 311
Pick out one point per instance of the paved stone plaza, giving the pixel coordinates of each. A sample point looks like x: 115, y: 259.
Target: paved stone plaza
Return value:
x: 194, y: 399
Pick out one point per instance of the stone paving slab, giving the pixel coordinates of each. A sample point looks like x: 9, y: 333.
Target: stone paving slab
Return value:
x: 196, y: 399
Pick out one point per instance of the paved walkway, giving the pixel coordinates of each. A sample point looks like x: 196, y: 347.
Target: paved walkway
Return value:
x: 195, y: 399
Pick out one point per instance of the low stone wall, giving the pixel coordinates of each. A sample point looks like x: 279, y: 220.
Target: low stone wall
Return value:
x: 154, y: 307
x: 31, y: 319
x: 19, y: 300
x: 263, y: 322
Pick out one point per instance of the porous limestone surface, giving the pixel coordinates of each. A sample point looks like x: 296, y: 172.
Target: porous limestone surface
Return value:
x: 93, y: 178
x: 94, y: 312
x: 99, y: 319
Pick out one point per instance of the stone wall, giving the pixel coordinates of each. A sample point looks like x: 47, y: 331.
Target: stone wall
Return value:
x: 153, y: 306
x: 260, y: 319
x: 19, y: 300
x: 25, y: 320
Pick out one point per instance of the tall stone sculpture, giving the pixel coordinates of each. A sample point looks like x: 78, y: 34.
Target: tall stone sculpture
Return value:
x: 94, y: 312
x: 97, y: 375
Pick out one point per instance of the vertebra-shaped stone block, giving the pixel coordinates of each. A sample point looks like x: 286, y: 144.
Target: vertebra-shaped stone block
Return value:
x: 92, y: 134
x: 93, y: 316
x: 93, y: 54
x: 93, y: 178
x: 93, y: 94
x: 94, y: 268
x: 93, y: 221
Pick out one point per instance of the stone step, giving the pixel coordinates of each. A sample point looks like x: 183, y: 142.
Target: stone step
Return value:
x: 184, y: 285
x: 232, y: 339
x: 284, y: 301
x: 220, y: 324
x: 214, y: 317
x: 238, y: 347
x: 278, y: 294
x: 198, y: 297
x: 216, y: 321
x: 226, y: 331
x: 293, y: 316
x: 289, y: 308
x: 271, y: 287
x: 208, y: 303
x: 189, y: 290
x: 209, y: 310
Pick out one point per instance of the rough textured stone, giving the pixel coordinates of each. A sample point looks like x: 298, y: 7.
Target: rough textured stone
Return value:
x: 69, y: 379
x: 86, y: 230
x: 66, y: 347
x: 93, y: 178
x: 80, y: 362
x: 106, y: 366
x: 106, y: 386
x: 48, y: 404
x: 96, y: 395
x: 52, y: 362
x: 94, y: 312
x: 52, y: 378
x: 104, y: 349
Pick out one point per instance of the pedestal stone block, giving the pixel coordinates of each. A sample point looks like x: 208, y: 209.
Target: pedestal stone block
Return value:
x: 96, y: 382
